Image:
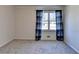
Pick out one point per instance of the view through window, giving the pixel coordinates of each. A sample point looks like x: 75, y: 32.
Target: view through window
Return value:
x: 49, y: 20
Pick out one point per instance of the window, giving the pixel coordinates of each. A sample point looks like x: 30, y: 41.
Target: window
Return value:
x: 49, y: 20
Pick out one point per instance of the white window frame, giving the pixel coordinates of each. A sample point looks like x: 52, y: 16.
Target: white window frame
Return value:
x: 48, y: 20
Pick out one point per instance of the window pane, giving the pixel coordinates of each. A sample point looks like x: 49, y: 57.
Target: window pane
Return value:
x: 52, y: 21
x: 52, y: 26
x: 45, y: 17
x: 52, y: 17
x: 45, y: 21
x: 44, y: 26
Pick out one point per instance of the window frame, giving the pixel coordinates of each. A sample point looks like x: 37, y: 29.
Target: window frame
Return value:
x: 47, y: 11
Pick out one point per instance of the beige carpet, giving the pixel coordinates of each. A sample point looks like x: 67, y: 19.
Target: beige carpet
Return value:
x: 36, y: 47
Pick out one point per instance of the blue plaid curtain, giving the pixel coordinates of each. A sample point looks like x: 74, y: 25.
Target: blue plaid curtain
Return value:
x: 59, y: 26
x: 38, y: 30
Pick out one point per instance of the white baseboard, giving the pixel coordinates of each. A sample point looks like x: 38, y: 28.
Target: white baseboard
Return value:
x: 5, y: 43
x: 34, y: 39
x: 24, y: 39
x: 72, y: 47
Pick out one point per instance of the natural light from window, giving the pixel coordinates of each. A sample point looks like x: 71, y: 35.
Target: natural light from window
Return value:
x: 49, y: 20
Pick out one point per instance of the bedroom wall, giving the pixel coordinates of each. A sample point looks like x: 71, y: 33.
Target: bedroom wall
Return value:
x: 7, y: 24
x: 26, y: 20
x: 71, y: 26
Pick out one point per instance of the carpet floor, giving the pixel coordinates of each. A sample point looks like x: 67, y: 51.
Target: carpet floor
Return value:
x: 36, y: 47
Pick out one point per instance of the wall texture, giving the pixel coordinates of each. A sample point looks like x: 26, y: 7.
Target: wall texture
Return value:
x: 26, y: 20
x: 71, y: 27
x: 7, y: 24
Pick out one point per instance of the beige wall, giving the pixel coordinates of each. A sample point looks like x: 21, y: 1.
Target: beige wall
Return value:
x: 26, y: 20
x: 7, y: 26
x: 72, y: 26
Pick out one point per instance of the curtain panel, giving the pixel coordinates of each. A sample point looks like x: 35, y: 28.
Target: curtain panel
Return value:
x: 59, y: 26
x: 38, y: 30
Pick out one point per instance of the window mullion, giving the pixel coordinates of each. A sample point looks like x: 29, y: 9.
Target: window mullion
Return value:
x: 48, y: 21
